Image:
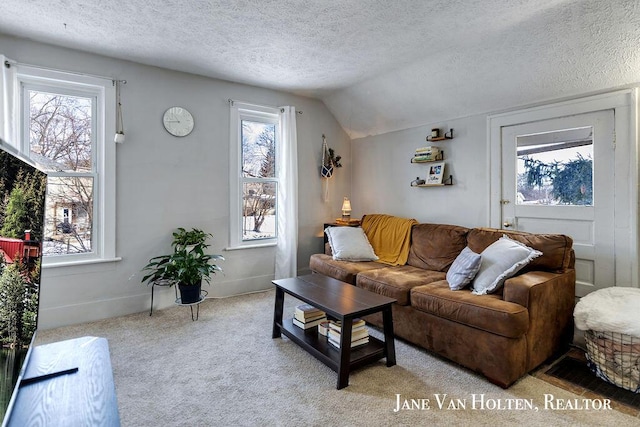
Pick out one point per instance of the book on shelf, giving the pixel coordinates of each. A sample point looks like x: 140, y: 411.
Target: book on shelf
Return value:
x: 427, y: 150
x: 353, y: 343
x: 320, y: 315
x: 323, y: 328
x: 308, y: 325
x: 306, y: 311
x: 359, y: 333
x: 355, y: 335
x: 427, y: 154
x: 337, y: 325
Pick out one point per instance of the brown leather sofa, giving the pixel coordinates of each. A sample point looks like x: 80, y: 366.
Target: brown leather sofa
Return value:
x: 503, y: 336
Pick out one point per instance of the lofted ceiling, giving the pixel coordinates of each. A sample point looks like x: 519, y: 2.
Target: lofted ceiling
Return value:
x: 378, y: 65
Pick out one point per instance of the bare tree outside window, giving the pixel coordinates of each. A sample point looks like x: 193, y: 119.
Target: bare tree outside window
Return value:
x: 61, y: 142
x: 259, y: 187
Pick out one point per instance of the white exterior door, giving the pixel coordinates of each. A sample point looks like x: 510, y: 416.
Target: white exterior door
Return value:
x: 558, y: 177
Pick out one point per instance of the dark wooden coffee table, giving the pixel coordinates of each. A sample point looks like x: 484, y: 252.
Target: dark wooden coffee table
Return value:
x: 341, y: 301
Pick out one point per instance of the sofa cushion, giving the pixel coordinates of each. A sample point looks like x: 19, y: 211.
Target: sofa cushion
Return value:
x: 436, y: 246
x: 501, y: 260
x: 556, y: 248
x: 464, y: 269
x: 485, y: 312
x: 345, y: 271
x: 396, y: 282
x: 350, y: 244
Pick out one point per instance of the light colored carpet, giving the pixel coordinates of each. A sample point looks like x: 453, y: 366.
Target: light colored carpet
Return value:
x: 225, y: 370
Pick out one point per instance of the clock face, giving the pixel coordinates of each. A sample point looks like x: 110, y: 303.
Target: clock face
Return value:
x: 178, y: 121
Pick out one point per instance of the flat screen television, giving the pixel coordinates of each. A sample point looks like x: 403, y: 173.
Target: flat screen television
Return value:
x: 22, y: 211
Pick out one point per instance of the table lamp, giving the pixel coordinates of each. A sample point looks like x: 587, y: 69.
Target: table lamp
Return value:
x: 346, y: 209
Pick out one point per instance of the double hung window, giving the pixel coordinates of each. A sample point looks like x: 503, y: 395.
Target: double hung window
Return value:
x: 64, y: 119
x: 254, y: 191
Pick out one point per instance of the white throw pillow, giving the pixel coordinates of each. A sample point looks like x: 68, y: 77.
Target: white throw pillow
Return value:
x: 350, y: 244
x: 501, y: 260
x: 464, y: 269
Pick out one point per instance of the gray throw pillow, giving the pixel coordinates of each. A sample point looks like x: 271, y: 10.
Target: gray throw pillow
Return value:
x: 350, y: 244
x: 501, y: 260
x: 464, y: 269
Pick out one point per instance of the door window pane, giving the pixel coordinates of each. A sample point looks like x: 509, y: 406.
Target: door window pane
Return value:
x: 555, y: 168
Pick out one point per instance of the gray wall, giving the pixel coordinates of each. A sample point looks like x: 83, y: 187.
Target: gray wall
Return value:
x: 165, y: 182
x: 382, y: 174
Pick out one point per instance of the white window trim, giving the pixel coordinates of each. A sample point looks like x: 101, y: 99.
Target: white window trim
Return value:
x: 238, y: 111
x: 104, y: 226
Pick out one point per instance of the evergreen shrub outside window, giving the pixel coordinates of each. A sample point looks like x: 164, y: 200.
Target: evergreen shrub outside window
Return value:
x: 555, y: 175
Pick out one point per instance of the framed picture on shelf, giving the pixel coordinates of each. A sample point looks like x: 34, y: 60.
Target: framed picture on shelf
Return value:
x: 436, y: 172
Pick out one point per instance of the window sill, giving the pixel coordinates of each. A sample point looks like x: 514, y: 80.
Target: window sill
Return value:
x: 256, y: 245
x: 46, y: 265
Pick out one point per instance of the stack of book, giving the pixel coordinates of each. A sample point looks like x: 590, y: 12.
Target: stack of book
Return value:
x: 427, y: 154
x: 307, y: 316
x: 324, y: 328
x: 359, y: 333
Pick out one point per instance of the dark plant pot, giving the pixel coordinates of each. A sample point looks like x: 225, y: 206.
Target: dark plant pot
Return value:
x: 326, y: 171
x: 189, y: 293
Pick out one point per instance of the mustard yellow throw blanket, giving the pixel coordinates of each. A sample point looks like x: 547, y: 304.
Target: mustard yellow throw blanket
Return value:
x: 390, y: 237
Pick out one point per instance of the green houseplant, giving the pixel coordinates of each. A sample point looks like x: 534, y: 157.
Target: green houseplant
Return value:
x: 182, y: 237
x: 187, y: 266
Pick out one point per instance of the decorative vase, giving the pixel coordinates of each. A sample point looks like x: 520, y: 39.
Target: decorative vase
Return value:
x: 189, y: 294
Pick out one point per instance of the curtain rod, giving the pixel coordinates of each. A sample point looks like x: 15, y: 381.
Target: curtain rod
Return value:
x: 10, y: 62
x: 232, y: 101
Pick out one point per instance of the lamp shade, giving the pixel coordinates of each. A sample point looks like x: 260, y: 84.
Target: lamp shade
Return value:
x: 346, y: 206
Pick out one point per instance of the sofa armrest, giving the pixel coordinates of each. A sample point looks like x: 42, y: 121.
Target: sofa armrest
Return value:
x: 550, y: 298
x: 526, y: 289
x: 327, y: 249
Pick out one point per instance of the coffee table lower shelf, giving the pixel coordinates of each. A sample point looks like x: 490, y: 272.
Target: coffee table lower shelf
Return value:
x: 319, y: 347
x: 342, y: 302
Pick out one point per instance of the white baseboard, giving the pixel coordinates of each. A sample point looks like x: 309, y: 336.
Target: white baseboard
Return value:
x: 91, y: 311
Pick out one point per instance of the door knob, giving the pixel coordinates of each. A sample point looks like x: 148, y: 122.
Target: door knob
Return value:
x: 506, y: 224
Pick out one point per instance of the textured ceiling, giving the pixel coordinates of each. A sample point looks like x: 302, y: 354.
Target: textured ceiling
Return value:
x: 379, y: 65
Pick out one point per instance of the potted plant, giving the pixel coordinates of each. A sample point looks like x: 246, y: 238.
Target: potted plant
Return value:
x: 329, y: 160
x: 187, y: 266
x: 184, y: 238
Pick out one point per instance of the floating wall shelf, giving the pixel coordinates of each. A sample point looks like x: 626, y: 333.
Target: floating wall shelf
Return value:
x: 437, y: 158
x: 447, y: 135
x: 448, y: 181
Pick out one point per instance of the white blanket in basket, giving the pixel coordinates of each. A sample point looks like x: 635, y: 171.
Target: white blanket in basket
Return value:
x: 615, y: 309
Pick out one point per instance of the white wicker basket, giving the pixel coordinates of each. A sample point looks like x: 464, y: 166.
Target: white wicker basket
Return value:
x: 615, y: 358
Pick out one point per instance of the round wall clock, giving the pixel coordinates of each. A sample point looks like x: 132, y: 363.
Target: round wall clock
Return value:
x: 178, y: 121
